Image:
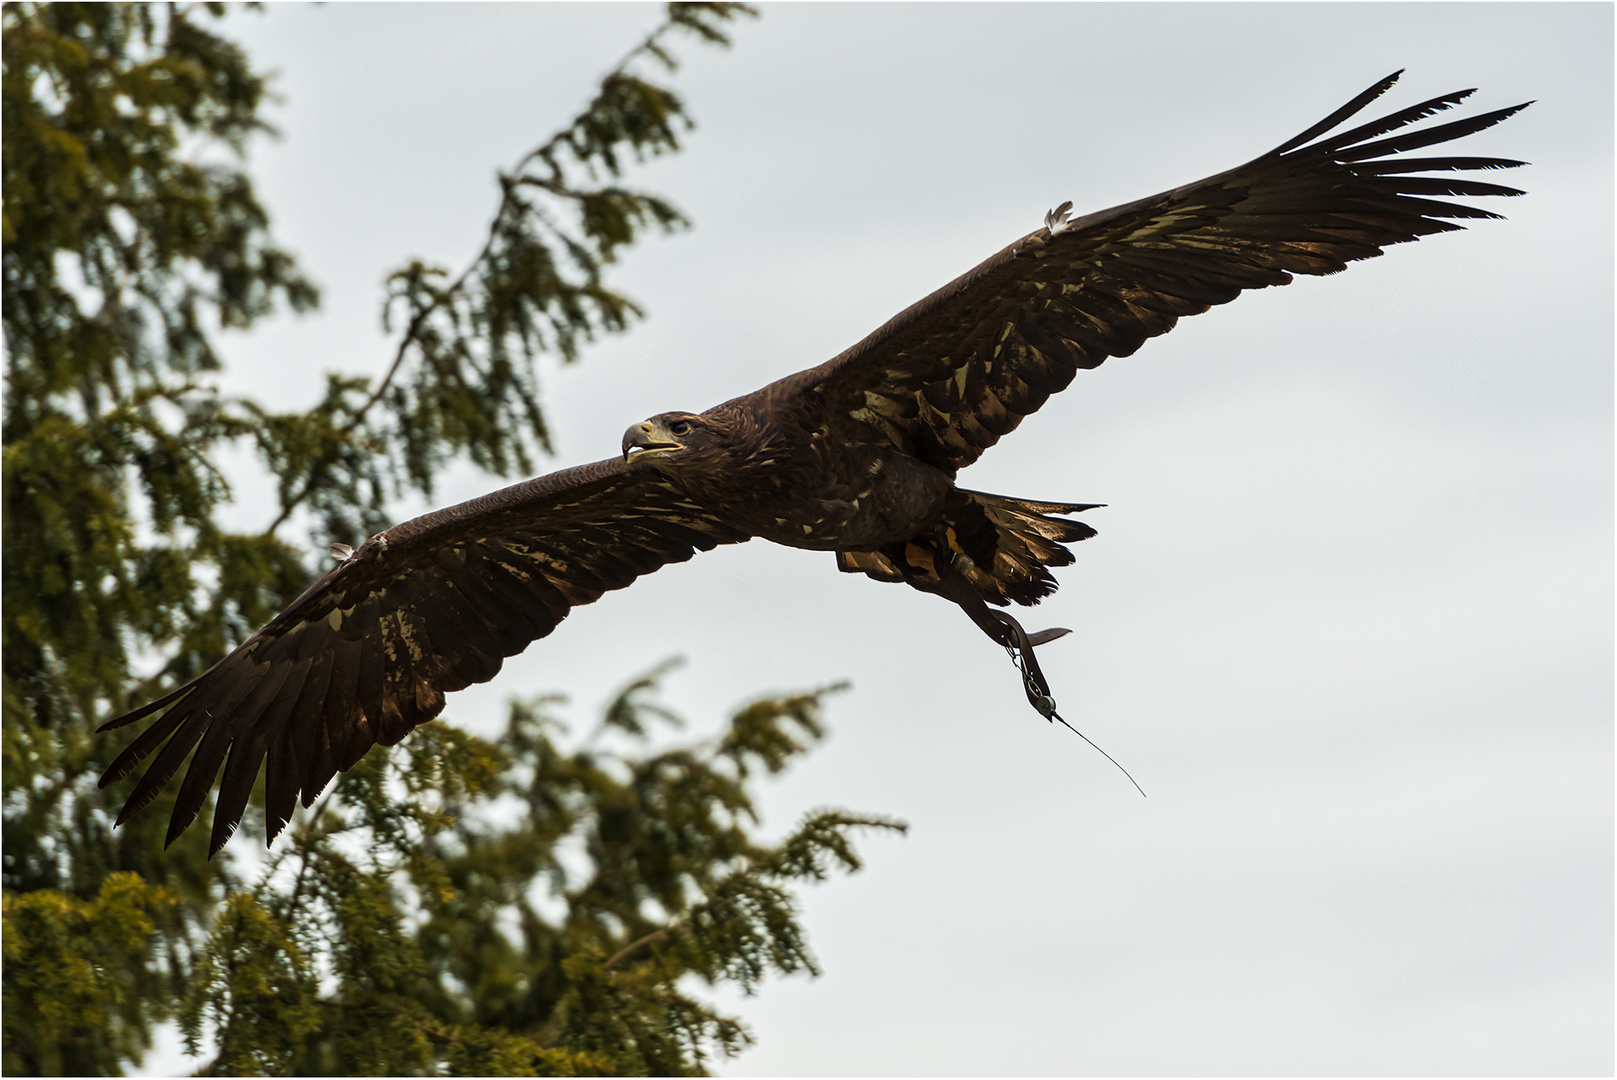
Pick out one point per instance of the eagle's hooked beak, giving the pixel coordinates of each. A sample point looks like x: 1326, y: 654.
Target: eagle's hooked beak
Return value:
x: 646, y: 440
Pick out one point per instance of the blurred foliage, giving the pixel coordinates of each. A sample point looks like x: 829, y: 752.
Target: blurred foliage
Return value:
x: 461, y: 905
x: 76, y: 973
x: 454, y: 905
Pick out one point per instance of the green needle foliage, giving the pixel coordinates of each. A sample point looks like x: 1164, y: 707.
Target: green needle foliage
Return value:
x: 530, y: 904
x: 516, y: 907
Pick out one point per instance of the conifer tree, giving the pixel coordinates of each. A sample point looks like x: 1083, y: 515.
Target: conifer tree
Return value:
x: 410, y: 922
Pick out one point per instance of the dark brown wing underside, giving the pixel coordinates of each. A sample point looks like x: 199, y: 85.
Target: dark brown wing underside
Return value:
x: 948, y: 377
x: 429, y: 607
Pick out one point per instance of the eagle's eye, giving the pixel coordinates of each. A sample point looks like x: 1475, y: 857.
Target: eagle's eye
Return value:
x: 680, y: 427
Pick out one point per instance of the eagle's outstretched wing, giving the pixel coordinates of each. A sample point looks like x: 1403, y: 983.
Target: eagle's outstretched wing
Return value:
x: 947, y: 377
x: 367, y: 653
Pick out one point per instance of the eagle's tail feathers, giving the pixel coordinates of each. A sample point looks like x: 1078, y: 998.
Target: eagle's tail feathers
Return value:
x: 1013, y: 543
x: 1003, y: 547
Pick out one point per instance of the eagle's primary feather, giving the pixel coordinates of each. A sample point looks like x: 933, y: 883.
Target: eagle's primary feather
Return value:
x: 856, y: 456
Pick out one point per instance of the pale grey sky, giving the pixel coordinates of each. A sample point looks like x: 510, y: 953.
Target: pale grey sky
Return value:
x: 1348, y: 618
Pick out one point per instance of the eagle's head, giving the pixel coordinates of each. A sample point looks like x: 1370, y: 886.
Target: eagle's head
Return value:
x: 675, y: 441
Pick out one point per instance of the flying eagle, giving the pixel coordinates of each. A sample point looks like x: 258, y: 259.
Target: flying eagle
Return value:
x: 857, y: 456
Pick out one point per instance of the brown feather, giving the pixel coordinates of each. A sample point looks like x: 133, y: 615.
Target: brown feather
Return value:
x: 246, y: 756
x: 212, y: 726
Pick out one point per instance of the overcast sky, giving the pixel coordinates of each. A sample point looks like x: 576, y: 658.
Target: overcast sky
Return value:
x: 1348, y: 618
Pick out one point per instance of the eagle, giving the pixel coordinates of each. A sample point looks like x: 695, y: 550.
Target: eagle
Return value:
x: 858, y: 456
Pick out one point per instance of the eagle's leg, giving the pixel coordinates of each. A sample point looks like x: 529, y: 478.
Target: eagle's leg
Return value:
x: 1002, y: 628
x: 1033, y: 680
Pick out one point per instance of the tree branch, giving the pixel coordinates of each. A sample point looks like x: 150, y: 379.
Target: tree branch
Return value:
x: 638, y: 943
x: 316, y: 473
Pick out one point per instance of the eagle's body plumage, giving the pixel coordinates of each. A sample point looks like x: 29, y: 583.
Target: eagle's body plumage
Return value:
x: 780, y: 470
x: 858, y: 456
